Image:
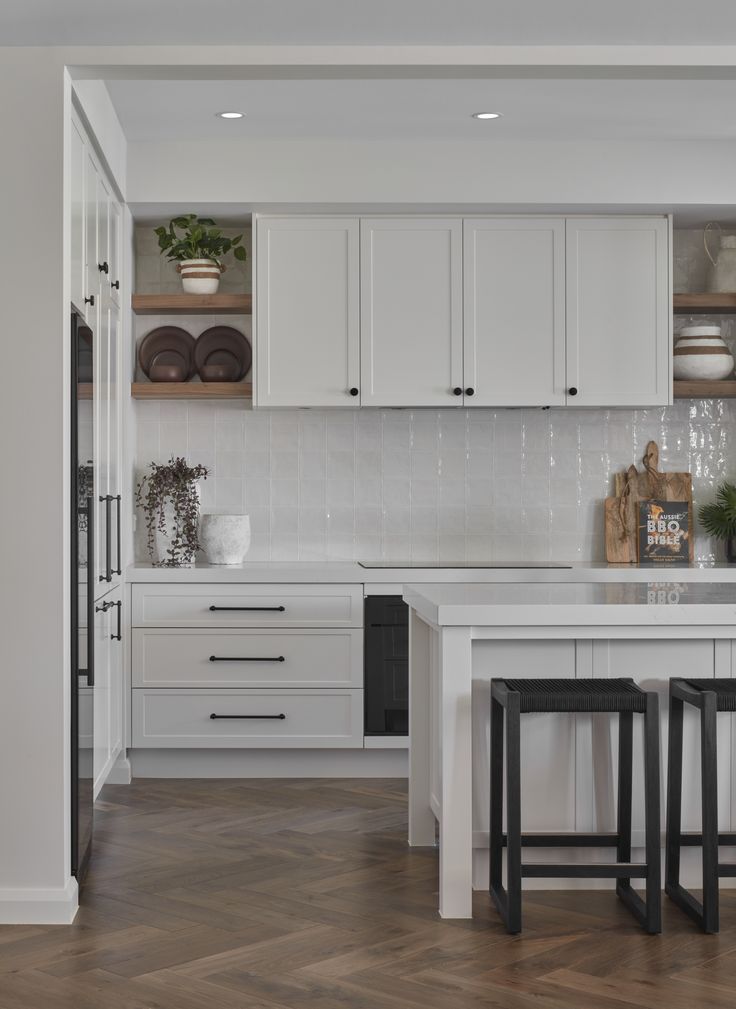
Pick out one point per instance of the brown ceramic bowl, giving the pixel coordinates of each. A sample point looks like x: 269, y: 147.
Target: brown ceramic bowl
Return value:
x: 225, y: 368
x: 168, y: 369
x: 222, y: 347
x: 170, y: 346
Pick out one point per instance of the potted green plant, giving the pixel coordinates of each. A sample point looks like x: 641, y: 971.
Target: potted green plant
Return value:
x: 197, y: 246
x: 168, y: 496
x: 719, y: 518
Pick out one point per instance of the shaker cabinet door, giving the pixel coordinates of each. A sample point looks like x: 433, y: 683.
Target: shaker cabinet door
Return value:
x: 618, y: 312
x: 514, y: 288
x: 411, y: 312
x: 307, y: 312
x: 77, y: 222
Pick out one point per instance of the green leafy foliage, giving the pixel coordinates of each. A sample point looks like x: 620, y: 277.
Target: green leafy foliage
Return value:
x: 719, y: 518
x: 200, y: 238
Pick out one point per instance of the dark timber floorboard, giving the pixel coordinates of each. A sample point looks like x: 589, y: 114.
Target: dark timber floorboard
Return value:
x: 285, y: 894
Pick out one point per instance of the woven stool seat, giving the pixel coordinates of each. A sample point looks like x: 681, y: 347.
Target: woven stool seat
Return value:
x: 579, y: 695
x: 725, y: 691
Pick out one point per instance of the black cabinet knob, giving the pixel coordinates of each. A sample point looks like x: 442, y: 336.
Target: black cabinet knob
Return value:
x: 572, y: 391
x: 457, y: 391
x: 115, y: 284
x: 353, y: 391
x: 470, y: 391
x: 103, y: 267
x: 90, y: 300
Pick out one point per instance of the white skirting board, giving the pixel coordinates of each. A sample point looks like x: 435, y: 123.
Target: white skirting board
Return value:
x: 248, y: 763
x: 121, y: 772
x: 29, y: 906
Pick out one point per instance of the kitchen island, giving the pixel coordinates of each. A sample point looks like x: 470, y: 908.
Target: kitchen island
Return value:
x: 462, y: 635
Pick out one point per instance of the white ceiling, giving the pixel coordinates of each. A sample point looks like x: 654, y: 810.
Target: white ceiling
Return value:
x: 367, y: 22
x: 428, y: 109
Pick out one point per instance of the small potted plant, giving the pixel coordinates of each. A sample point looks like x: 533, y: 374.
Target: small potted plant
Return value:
x: 168, y: 496
x: 719, y: 518
x: 197, y: 246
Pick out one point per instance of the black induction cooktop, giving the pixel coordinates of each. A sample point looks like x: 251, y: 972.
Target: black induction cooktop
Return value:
x: 513, y: 565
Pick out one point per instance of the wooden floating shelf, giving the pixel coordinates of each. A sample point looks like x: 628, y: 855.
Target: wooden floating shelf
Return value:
x: 192, y: 390
x: 706, y: 389
x: 705, y: 303
x: 168, y: 304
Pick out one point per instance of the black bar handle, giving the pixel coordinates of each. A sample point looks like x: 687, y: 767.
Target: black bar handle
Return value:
x: 115, y: 284
x: 279, y: 717
x: 103, y: 267
x: 119, y: 635
x: 107, y: 499
x: 276, y: 609
x: 247, y: 658
x: 119, y: 502
x: 91, y: 519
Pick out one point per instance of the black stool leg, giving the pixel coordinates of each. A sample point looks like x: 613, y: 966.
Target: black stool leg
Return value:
x: 625, y: 776
x: 674, y: 796
x: 496, y: 839
x: 513, y: 813
x: 709, y: 771
x: 652, y: 816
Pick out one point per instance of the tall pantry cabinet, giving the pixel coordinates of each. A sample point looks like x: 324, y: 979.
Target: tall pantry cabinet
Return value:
x: 96, y: 283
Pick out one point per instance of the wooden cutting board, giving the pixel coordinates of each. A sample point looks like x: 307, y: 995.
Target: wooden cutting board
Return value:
x: 633, y: 486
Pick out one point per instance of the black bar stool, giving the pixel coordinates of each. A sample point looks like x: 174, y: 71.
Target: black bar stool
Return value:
x: 518, y: 697
x: 709, y: 696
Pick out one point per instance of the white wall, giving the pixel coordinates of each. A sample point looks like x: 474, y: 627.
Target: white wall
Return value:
x: 432, y: 172
x: 34, y: 506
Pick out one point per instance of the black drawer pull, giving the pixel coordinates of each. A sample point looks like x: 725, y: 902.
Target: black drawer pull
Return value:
x: 279, y: 717
x: 276, y: 609
x: 246, y: 658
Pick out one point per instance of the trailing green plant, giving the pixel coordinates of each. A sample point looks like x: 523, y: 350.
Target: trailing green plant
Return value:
x: 200, y: 239
x: 719, y: 518
x: 174, y: 483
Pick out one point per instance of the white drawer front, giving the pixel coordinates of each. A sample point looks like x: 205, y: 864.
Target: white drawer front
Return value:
x: 312, y: 718
x: 247, y: 605
x: 185, y: 657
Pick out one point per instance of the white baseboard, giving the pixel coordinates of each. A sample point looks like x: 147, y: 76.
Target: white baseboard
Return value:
x: 30, y: 906
x: 269, y: 763
x: 121, y: 772
x: 386, y: 742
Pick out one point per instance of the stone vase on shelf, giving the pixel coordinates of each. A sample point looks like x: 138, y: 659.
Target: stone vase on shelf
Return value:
x: 701, y: 353
x: 225, y: 539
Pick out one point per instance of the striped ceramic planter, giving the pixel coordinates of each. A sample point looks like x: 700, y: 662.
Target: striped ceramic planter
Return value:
x: 200, y: 276
x: 701, y: 353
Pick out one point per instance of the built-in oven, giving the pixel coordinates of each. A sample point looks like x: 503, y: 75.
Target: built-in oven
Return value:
x: 386, y: 666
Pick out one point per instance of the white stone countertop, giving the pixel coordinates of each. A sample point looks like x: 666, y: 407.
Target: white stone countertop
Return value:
x: 348, y: 572
x: 613, y: 604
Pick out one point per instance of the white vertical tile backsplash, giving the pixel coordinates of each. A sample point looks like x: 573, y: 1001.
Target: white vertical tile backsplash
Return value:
x: 431, y: 484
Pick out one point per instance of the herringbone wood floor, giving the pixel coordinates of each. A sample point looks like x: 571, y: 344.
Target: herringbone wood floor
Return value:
x: 288, y: 894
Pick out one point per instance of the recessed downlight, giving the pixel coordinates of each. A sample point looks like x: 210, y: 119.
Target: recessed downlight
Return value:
x: 231, y: 115
x: 486, y: 115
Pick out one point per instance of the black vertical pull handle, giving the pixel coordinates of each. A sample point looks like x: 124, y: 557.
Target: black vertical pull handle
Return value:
x: 107, y: 499
x: 103, y: 268
x: 90, y: 300
x: 118, y: 537
x: 91, y: 519
x: 119, y: 635
x: 115, y: 284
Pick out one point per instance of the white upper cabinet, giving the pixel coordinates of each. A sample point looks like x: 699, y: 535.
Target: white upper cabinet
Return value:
x: 618, y: 311
x: 514, y: 280
x: 77, y: 222
x: 411, y: 312
x: 307, y: 312
x: 114, y: 248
